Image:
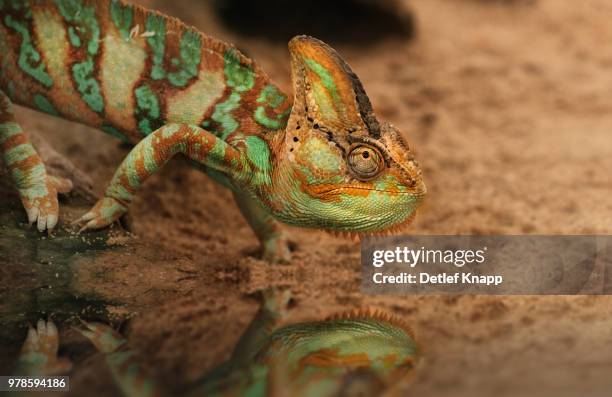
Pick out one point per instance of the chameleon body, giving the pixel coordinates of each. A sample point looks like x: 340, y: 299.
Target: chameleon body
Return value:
x: 318, y: 160
x: 353, y: 354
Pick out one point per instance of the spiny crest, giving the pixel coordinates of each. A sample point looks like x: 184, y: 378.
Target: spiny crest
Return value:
x: 390, y: 231
x: 368, y: 313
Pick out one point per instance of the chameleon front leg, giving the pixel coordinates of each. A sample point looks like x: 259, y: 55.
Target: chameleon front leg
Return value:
x: 268, y: 318
x: 272, y: 312
x: 127, y: 372
x: 37, y: 190
x: 148, y: 156
x: 270, y: 233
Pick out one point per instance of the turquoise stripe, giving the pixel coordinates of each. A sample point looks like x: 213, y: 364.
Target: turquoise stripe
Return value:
x: 130, y: 170
x: 118, y: 191
x: 19, y: 153
x: 33, y: 179
x: 149, y: 159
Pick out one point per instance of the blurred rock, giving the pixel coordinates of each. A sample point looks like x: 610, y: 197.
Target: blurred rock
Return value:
x: 356, y: 22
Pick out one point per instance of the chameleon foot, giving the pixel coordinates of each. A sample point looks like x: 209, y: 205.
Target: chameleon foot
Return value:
x: 276, y: 249
x: 105, y: 212
x: 40, y: 203
x: 38, y: 354
x: 276, y: 301
x: 103, y: 337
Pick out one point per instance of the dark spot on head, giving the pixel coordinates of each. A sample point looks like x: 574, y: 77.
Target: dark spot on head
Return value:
x: 297, y: 127
x: 330, y: 136
x: 291, y: 150
x: 295, y: 139
x: 310, y: 119
x: 316, y: 126
x: 341, y: 149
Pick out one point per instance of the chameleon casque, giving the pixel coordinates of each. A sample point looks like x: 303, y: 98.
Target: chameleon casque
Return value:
x: 358, y: 353
x: 318, y: 160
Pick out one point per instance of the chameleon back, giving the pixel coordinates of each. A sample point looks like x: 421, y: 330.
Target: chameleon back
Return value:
x: 128, y: 70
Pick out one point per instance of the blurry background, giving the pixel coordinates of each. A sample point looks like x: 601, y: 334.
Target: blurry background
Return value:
x: 508, y: 106
x: 342, y: 21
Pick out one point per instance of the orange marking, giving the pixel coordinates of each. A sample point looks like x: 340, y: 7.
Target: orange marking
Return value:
x: 27, y: 164
x: 14, y: 141
x: 141, y: 170
x: 331, y: 358
x: 390, y: 359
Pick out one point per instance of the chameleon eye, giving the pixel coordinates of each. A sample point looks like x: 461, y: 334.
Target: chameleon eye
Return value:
x: 365, y: 162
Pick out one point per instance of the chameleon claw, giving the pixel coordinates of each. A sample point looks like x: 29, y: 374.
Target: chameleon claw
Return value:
x: 106, y: 211
x: 87, y: 222
x: 51, y: 329
x: 41, y: 328
x: 32, y: 215
x: 105, y: 338
x: 88, y: 226
x: 41, y: 206
x: 85, y: 331
x: 31, y: 340
x: 41, y: 223
x: 85, y: 218
x: 51, y: 222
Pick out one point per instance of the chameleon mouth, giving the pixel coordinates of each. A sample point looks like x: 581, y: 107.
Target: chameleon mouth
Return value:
x: 392, y: 230
x: 417, y: 193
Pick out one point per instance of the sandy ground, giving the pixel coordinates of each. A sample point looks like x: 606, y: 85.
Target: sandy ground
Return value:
x: 508, y: 106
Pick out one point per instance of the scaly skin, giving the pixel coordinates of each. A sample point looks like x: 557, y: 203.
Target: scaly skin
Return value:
x: 354, y: 354
x: 321, y: 160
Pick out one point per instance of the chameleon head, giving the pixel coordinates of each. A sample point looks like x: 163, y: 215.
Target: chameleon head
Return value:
x: 339, y: 168
x: 372, y: 349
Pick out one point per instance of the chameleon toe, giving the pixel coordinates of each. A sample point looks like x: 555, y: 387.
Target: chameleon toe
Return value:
x: 42, y: 222
x: 32, y: 215
x: 51, y: 222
